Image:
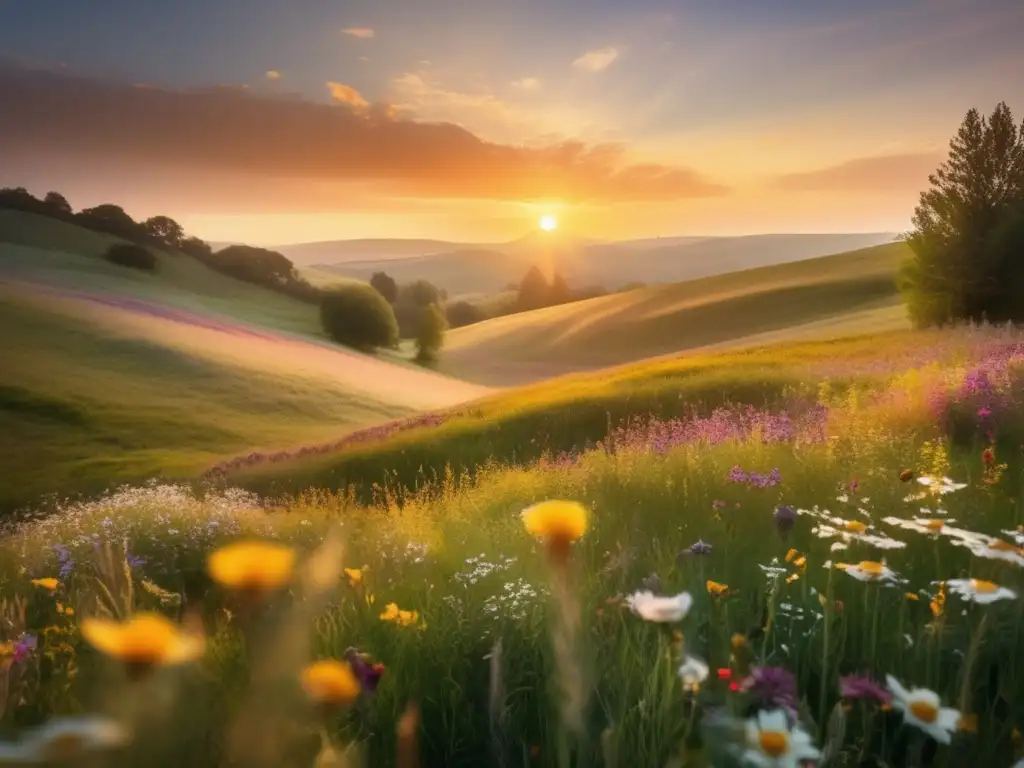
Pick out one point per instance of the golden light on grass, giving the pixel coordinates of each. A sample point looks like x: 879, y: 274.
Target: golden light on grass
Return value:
x: 330, y: 682
x: 557, y: 524
x: 252, y: 566
x: 548, y: 222
x: 145, y: 641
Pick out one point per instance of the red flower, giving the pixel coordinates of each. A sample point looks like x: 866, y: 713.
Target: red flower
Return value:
x: 988, y: 456
x: 907, y: 475
x: 734, y: 686
x: 724, y: 673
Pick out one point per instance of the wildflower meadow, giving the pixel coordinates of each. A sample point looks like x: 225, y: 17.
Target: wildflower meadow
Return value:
x: 832, y: 579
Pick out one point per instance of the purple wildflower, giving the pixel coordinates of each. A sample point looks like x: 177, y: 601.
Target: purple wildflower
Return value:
x: 133, y: 561
x: 365, y: 670
x: 863, y: 687
x: 24, y: 647
x: 785, y: 518
x: 737, y: 475
x: 700, y: 547
x: 772, y: 687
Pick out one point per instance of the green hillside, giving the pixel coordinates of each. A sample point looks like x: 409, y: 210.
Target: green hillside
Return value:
x: 844, y: 293
x: 113, y: 376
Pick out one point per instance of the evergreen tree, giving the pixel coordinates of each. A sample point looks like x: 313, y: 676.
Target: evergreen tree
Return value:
x: 533, y: 290
x: 968, y: 236
x: 559, y: 293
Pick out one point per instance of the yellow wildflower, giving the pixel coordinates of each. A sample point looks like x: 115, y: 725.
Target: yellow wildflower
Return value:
x: 144, y: 641
x: 252, y: 566
x: 355, y: 576
x: 49, y: 583
x: 330, y: 682
x: 714, y: 588
x: 855, y: 526
x: 557, y: 524
x: 402, y: 618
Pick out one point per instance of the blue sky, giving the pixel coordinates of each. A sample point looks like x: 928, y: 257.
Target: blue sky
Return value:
x: 744, y: 92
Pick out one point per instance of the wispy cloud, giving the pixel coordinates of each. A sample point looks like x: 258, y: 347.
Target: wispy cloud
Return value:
x: 363, y: 32
x: 273, y: 74
x: 596, y: 61
x: 237, y: 131
x: 882, y: 173
x: 346, y: 94
x: 526, y: 84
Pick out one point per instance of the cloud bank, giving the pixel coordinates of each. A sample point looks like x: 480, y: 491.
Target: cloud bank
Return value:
x: 231, y: 130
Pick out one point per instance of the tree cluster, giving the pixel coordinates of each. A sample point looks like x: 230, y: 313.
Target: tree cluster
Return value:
x: 255, y: 265
x: 968, y: 236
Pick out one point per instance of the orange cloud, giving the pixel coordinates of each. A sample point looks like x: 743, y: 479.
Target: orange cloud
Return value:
x: 363, y: 32
x: 286, y: 137
x: 346, y: 94
x: 882, y: 173
x: 596, y: 61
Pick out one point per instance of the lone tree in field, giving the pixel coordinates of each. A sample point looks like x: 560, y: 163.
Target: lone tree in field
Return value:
x: 968, y: 236
x: 385, y: 285
x: 430, y: 335
x: 357, y: 316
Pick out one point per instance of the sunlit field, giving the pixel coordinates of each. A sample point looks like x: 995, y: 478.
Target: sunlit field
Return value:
x: 826, y: 530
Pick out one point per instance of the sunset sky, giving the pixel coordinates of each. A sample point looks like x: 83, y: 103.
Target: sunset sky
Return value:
x: 276, y: 122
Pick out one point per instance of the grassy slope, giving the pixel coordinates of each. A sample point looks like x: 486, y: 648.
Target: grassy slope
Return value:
x: 841, y: 292
x: 570, y: 412
x: 93, y: 394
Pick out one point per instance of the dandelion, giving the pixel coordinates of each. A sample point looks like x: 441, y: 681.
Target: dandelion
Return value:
x: 665, y: 610
x: 49, y: 583
x: 145, y: 641
x: 557, y: 524
x: 355, y: 576
x: 772, y: 744
x: 693, y: 672
x: 714, y: 588
x: 861, y: 687
x: 397, y: 616
x: 772, y: 686
x: 330, y: 682
x: 979, y: 590
x: 65, y: 740
x: 255, y: 567
x: 922, y: 709
x: 868, y: 570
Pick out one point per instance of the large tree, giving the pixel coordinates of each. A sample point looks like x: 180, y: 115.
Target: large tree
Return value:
x: 164, y: 229
x: 385, y: 285
x: 968, y: 236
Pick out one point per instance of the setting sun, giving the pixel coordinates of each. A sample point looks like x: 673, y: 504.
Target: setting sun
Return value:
x: 548, y: 222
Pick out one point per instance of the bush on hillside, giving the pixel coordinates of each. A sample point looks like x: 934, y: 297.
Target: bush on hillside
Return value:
x: 462, y: 313
x: 430, y: 337
x: 968, y: 232
x: 131, y: 255
x: 385, y: 285
x: 357, y: 316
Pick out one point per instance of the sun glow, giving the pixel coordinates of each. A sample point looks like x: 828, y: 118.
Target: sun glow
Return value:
x: 548, y: 222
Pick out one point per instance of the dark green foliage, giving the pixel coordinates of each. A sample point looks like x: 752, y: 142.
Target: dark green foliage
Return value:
x: 111, y: 219
x: 58, y: 203
x: 263, y: 267
x: 462, y: 313
x: 533, y: 290
x: 164, y: 229
x: 385, y: 286
x: 412, y: 299
x: 968, y: 237
x: 559, y: 292
x: 132, y: 255
x: 430, y: 335
x: 358, y: 316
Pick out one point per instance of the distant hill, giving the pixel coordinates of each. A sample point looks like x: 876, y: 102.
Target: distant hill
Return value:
x: 827, y: 296
x: 470, y: 269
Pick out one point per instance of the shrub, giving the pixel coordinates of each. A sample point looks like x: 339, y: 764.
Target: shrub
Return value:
x: 132, y: 255
x: 430, y: 336
x: 358, y: 316
x: 463, y: 313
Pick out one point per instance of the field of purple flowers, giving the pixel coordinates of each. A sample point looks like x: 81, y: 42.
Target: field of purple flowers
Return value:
x: 831, y: 577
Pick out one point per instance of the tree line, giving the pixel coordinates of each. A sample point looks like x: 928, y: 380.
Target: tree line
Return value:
x: 261, y: 266
x: 967, y: 241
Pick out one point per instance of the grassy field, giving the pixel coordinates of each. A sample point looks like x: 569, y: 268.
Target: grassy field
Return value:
x: 833, y: 294
x: 112, y: 376
x: 768, y: 510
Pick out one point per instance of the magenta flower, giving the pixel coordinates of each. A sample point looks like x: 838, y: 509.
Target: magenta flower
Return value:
x: 365, y: 670
x: 863, y: 687
x: 772, y: 687
x: 785, y: 518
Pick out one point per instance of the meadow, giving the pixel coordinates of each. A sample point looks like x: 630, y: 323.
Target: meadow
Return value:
x: 832, y: 527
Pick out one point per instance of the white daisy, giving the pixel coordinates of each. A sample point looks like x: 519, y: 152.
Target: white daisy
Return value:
x: 771, y: 743
x: 653, y: 607
x: 868, y: 570
x: 922, y: 708
x: 693, y: 672
x: 979, y: 590
x: 940, y: 485
x: 65, y: 739
x: 997, y: 549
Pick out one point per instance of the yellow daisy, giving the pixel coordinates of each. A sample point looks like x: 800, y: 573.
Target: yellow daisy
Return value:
x: 252, y: 566
x: 330, y: 682
x: 145, y: 641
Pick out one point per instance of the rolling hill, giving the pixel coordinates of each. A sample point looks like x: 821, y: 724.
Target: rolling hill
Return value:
x: 473, y: 269
x: 827, y: 296
x: 111, y: 375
